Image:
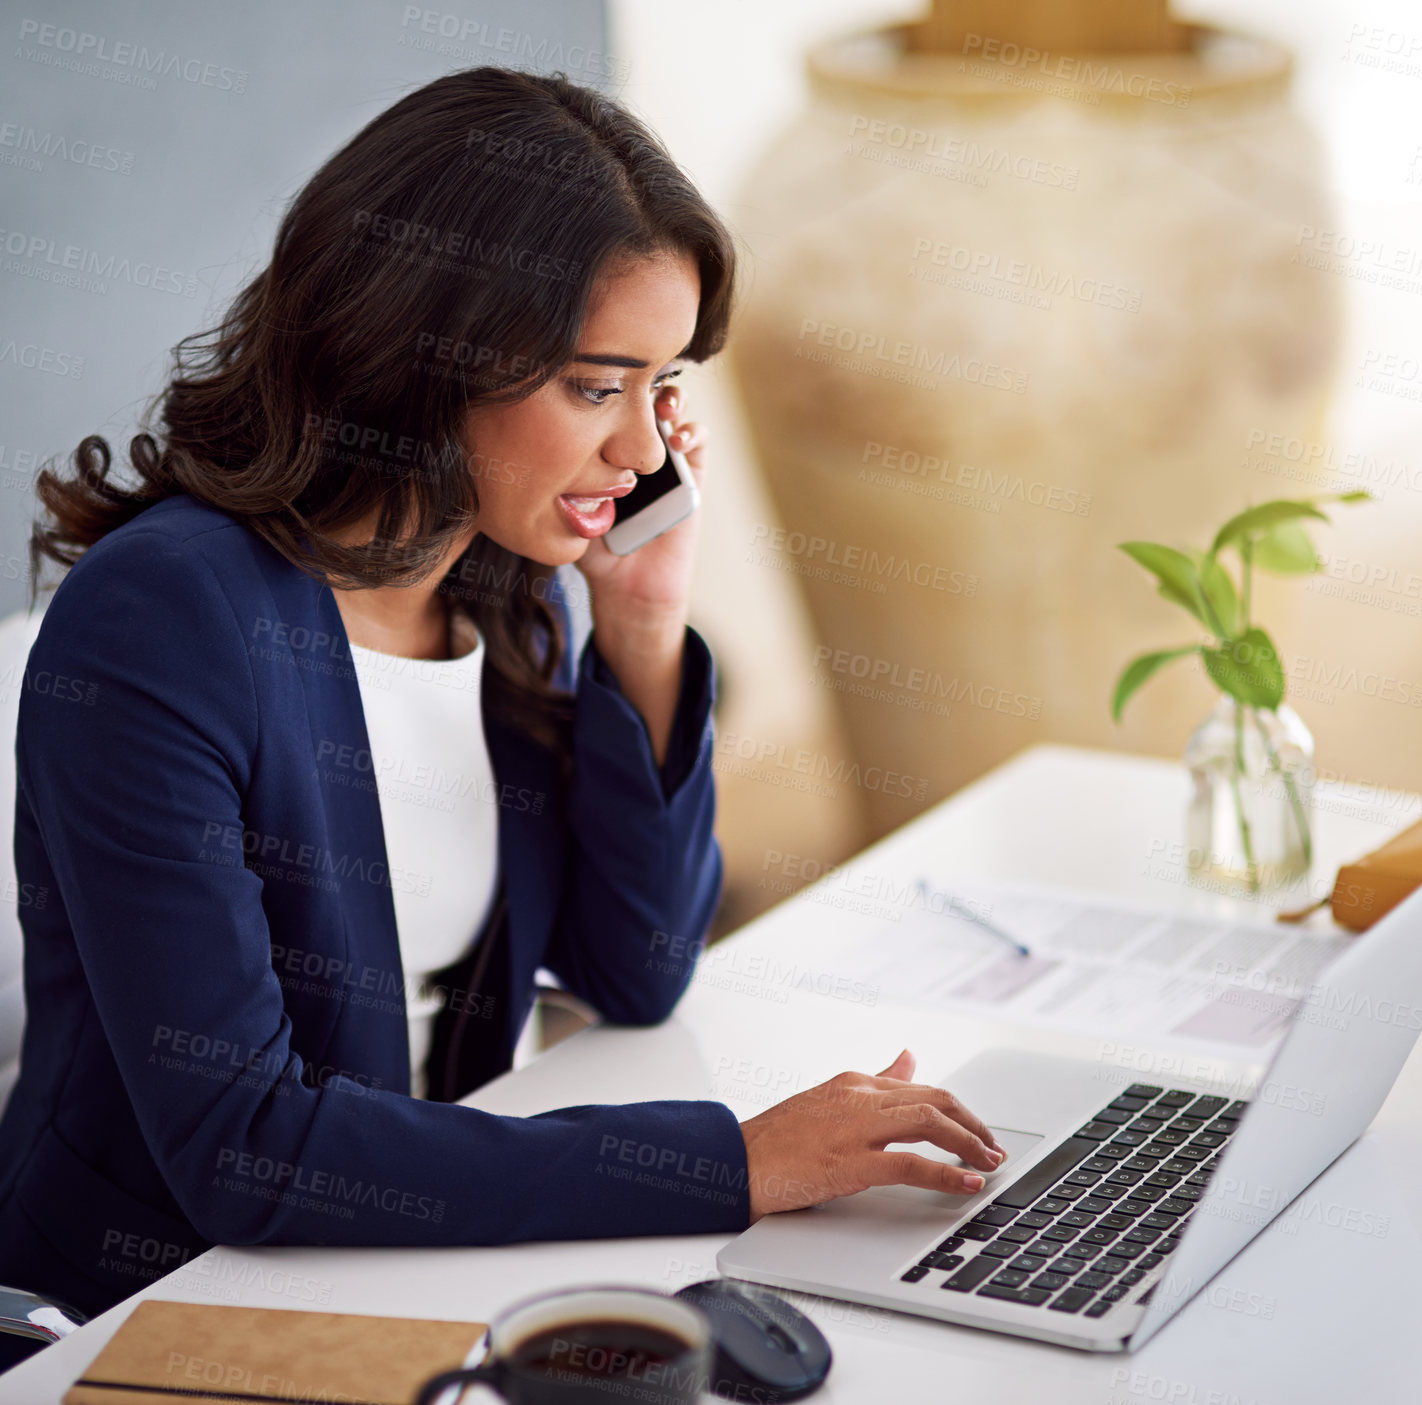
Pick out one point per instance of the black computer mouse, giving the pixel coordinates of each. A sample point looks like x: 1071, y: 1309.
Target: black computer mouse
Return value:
x: 766, y: 1350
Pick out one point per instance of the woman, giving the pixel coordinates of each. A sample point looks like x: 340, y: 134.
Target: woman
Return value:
x: 265, y: 970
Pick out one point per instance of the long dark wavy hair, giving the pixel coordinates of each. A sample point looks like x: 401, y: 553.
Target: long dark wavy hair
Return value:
x: 443, y: 258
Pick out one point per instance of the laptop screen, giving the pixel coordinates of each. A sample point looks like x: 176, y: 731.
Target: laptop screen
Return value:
x: 1348, y: 1038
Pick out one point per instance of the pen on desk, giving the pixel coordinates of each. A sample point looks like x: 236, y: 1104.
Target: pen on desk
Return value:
x: 960, y: 909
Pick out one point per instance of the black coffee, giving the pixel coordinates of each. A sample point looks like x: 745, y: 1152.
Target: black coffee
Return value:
x: 599, y: 1350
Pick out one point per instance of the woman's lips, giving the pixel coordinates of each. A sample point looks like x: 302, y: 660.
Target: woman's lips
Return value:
x: 588, y: 517
x: 592, y: 514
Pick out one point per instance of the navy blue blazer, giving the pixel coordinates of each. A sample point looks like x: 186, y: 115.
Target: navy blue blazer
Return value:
x: 217, y: 1047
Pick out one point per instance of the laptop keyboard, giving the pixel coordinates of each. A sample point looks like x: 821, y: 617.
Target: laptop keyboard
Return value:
x: 1094, y: 1221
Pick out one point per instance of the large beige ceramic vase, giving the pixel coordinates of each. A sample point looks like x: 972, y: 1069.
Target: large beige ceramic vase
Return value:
x: 1004, y: 310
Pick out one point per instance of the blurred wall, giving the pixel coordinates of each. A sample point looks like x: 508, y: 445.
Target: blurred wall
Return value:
x: 147, y: 150
x: 719, y: 81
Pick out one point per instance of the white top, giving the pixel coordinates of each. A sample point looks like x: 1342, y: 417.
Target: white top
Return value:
x: 438, y: 805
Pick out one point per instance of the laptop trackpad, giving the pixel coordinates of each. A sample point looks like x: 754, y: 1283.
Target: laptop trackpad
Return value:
x: 1017, y: 1144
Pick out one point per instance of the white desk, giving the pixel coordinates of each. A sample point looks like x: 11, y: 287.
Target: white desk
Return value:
x: 1320, y: 1311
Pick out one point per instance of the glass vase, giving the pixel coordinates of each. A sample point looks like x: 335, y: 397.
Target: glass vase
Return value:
x: 1251, y: 804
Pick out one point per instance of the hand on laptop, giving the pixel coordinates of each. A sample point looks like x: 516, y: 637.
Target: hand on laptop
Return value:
x: 829, y: 1141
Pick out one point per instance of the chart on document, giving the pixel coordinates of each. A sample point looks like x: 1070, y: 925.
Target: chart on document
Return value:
x: 1097, y: 965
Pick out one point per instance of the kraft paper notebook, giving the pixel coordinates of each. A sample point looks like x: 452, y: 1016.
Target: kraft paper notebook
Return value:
x: 167, y: 1352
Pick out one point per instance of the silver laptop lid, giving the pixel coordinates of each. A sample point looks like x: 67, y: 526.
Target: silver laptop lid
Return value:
x: 1348, y: 1039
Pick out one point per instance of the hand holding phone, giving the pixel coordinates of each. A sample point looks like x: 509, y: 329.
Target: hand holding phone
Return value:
x: 657, y: 504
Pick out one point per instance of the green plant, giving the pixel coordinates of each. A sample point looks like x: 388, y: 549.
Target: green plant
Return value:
x: 1242, y: 661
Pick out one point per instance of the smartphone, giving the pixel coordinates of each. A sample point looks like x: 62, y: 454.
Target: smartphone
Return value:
x: 658, y: 502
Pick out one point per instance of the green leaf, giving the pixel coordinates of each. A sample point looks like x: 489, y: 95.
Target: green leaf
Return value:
x: 1138, y: 670
x: 1218, y: 588
x: 1255, y: 519
x: 1248, y: 668
x: 1287, y: 550
x: 1356, y: 495
x: 1179, y: 580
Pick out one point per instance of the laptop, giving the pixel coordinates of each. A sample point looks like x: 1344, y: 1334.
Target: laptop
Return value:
x: 1121, y: 1195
